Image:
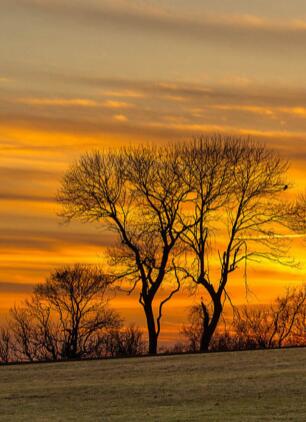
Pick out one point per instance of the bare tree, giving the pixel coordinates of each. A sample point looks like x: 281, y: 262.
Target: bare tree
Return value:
x: 223, y: 338
x: 65, y: 316
x: 237, y: 189
x: 24, y: 344
x: 218, y: 198
x: 123, y: 342
x: 5, y: 346
x: 295, y: 214
x: 138, y: 193
x: 254, y: 326
x: 193, y: 330
x: 273, y: 326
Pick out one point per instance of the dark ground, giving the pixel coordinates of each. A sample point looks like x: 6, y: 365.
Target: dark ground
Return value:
x: 236, y: 386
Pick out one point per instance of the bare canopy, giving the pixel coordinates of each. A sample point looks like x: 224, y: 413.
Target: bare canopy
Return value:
x: 137, y: 193
x: 65, y: 317
x: 214, y: 203
x: 237, y: 186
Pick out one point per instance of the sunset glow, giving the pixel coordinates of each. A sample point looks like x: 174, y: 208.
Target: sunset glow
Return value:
x: 82, y: 75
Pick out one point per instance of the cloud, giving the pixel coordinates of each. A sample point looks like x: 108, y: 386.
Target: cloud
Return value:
x: 163, y: 110
x: 7, y: 173
x: 125, y: 93
x: 11, y: 287
x: 169, y: 123
x: 53, y: 240
x: 120, y: 118
x: 58, y: 102
x: 117, y: 104
x: 248, y: 108
x: 228, y: 91
x: 268, y: 111
x: 74, y: 102
x: 13, y: 196
x: 5, y: 80
x: 231, y: 30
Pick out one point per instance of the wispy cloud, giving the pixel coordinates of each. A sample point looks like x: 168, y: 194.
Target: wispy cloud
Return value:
x: 59, y: 102
x: 74, y: 103
x: 263, y: 110
x: 5, y: 80
x: 230, y: 91
x: 13, y: 196
x: 242, y: 29
x: 10, y: 287
x: 120, y: 118
x: 117, y: 104
x: 124, y: 93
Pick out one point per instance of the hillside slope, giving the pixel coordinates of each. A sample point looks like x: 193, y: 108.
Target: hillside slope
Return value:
x: 239, y: 386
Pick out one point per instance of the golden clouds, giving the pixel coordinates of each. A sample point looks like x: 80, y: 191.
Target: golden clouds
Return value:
x: 5, y: 80
x: 264, y: 110
x: 124, y: 93
x: 159, y: 110
x: 120, y: 118
x: 58, y: 102
x: 74, y: 102
x: 117, y: 104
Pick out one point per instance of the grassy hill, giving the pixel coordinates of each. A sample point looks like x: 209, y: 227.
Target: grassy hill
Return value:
x: 238, y: 386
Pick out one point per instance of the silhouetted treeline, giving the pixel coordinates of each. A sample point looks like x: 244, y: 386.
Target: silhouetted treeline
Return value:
x: 68, y: 317
x: 183, y: 215
x: 36, y: 333
x: 282, y: 323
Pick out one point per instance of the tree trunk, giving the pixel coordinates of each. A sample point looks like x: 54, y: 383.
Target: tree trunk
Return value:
x: 151, y: 328
x: 209, y: 327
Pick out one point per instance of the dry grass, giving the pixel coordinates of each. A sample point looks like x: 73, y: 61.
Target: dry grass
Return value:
x: 238, y: 386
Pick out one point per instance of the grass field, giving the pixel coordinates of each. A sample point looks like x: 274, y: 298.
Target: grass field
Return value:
x: 236, y: 386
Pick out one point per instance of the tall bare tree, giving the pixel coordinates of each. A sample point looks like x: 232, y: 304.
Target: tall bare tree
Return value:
x: 237, y: 189
x: 138, y: 193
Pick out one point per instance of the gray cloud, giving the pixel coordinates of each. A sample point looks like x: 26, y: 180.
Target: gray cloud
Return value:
x: 9, y: 196
x: 53, y: 240
x: 229, y: 30
x: 225, y: 91
x: 11, y: 287
x: 21, y: 173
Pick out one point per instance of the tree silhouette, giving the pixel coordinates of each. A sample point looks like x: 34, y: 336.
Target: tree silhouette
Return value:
x: 254, y: 326
x: 218, y: 198
x: 5, y: 345
x: 273, y: 325
x: 65, y: 317
x: 297, y: 215
x: 137, y: 193
x: 237, y: 188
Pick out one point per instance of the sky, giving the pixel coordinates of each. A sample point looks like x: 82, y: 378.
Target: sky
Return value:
x: 82, y: 74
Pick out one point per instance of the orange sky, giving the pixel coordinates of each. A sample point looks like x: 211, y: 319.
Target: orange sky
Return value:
x: 77, y: 75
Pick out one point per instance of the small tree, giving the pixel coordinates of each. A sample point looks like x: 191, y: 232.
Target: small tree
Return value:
x: 5, y: 345
x: 192, y: 332
x: 123, y: 342
x: 65, y: 316
x: 254, y: 327
x: 273, y: 326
